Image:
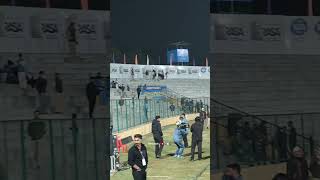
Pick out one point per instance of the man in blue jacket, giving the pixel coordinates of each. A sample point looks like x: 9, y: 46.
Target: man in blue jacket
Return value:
x: 178, y: 140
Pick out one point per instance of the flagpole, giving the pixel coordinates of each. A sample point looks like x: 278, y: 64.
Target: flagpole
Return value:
x: 84, y: 4
x: 113, y: 59
x: 269, y: 9
x: 147, y: 59
x: 310, y: 8
x: 232, y: 6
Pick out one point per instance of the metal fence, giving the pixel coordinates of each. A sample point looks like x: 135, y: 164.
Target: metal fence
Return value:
x: 53, y: 149
x: 127, y: 113
x: 259, y: 139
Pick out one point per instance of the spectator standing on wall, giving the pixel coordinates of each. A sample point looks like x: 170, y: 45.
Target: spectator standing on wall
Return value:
x: 132, y: 73
x: 92, y: 92
x: 59, y: 100
x: 138, y: 91
x: 72, y: 38
x: 292, y: 135
x: 21, y: 69
x: 41, y: 87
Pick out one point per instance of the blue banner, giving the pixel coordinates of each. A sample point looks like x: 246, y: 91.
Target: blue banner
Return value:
x: 154, y: 88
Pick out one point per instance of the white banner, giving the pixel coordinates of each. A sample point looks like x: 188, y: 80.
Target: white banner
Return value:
x: 264, y: 34
x: 124, y: 71
x: 44, y: 30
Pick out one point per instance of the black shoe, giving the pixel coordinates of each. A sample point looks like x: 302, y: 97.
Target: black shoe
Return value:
x: 199, y: 159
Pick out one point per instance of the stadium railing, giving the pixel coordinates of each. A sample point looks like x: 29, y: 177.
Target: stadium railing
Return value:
x: 261, y: 142
x: 128, y: 113
x: 67, y: 149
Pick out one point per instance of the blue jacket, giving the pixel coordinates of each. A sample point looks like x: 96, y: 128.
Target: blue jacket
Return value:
x: 177, y: 135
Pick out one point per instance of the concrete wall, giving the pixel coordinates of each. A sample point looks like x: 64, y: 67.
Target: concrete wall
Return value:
x: 268, y: 84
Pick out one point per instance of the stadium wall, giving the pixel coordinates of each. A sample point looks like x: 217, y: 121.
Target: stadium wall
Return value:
x: 43, y: 30
x: 146, y: 128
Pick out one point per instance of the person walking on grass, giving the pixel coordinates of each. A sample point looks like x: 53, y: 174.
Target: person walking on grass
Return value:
x: 138, y: 158
x: 157, y: 136
x: 196, y: 129
x: 178, y: 140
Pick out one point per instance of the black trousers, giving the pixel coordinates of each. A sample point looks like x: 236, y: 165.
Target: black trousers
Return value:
x: 139, y: 175
x: 158, y: 147
x: 185, y: 140
x: 193, y: 147
x: 92, y: 103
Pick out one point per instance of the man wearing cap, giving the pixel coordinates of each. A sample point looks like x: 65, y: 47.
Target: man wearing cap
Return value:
x: 138, y: 158
x: 157, y: 136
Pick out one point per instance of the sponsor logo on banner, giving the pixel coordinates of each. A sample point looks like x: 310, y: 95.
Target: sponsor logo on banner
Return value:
x: 266, y: 32
x: 11, y: 27
x: 299, y: 27
x: 114, y: 69
x: 44, y: 28
x: 195, y: 71
x: 182, y: 71
x: 203, y: 70
x: 232, y: 32
x: 317, y: 28
x: 87, y: 30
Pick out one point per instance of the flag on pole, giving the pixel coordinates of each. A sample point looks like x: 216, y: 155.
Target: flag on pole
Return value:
x: 159, y: 60
x: 194, y: 61
x: 147, y: 59
x: 310, y: 7
x: 113, y: 59
x: 171, y: 59
x: 136, y: 59
x: 124, y: 59
x: 84, y: 4
x: 207, y: 63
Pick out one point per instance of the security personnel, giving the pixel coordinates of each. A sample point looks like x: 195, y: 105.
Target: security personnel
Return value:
x: 196, y: 129
x: 138, y: 158
x: 185, y: 127
x: 157, y: 136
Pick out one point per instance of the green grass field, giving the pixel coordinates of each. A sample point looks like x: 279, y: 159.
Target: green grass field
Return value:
x: 169, y: 167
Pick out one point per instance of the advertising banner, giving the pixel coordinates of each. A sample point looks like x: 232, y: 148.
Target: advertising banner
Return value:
x: 43, y: 30
x: 264, y: 34
x: 168, y: 72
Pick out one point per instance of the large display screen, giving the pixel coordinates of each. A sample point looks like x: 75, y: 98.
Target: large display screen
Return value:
x: 178, y: 55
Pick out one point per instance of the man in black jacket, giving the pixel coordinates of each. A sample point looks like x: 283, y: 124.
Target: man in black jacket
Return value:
x: 92, y: 92
x: 138, y: 158
x: 196, y: 130
x: 157, y: 136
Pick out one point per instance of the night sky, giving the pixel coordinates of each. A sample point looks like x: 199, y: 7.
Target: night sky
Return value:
x: 152, y: 25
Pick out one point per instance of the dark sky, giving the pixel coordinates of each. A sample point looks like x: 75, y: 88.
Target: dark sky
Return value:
x: 153, y: 24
